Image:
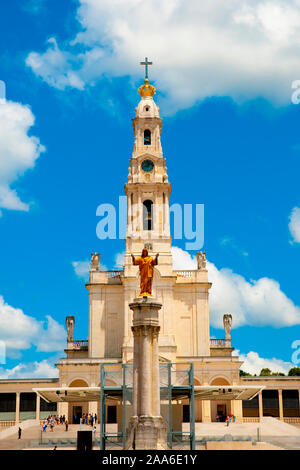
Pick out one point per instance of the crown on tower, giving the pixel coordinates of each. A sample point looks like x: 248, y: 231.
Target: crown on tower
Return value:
x: 147, y: 89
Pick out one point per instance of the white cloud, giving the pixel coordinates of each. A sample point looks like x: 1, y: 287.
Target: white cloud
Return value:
x: 120, y: 259
x: 82, y: 269
x: 256, y: 302
x: 20, y: 332
x: 51, y: 338
x: 18, y: 151
x: 294, y: 224
x: 253, y: 363
x: 199, y: 49
x: 182, y: 259
x: 43, y: 369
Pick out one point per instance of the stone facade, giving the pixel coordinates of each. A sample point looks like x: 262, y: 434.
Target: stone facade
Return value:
x: 184, y: 295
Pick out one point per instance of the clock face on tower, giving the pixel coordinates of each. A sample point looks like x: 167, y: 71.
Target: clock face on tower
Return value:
x: 147, y: 166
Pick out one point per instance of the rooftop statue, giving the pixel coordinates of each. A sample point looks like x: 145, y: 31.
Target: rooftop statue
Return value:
x: 201, y: 260
x: 95, y: 261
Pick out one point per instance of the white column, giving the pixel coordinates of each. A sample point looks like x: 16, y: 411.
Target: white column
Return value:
x: 131, y: 213
x: 93, y: 407
x: 237, y: 409
x: 260, y: 405
x: 129, y: 218
x: 17, y: 407
x: 206, y: 411
x: 140, y: 212
x: 145, y: 376
x: 156, y: 376
x: 280, y: 404
x: 38, y: 404
x: 167, y: 215
x: 63, y: 409
x: 135, y: 372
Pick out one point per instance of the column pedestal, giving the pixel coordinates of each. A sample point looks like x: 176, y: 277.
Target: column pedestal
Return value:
x: 146, y: 429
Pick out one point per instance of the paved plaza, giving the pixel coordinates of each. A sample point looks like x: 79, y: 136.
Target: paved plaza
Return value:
x: 271, y: 431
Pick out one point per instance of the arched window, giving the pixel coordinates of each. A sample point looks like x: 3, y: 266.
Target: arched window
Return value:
x: 147, y: 215
x: 147, y: 137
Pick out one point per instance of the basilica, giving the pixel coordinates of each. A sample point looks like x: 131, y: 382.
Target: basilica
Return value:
x: 184, y: 336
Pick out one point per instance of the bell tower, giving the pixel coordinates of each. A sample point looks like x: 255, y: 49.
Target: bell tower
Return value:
x: 147, y: 188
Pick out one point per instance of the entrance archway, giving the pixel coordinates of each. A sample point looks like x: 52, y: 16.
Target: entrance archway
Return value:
x: 77, y: 409
x: 220, y: 408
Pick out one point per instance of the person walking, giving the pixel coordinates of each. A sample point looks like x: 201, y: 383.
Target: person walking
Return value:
x: 227, y: 421
x: 19, y: 433
x: 67, y: 425
x: 95, y: 418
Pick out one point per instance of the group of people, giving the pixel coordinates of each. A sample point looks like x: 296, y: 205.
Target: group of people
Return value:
x: 53, y: 420
x: 90, y: 419
x: 229, y: 418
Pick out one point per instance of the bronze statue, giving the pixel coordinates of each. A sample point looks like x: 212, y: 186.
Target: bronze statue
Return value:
x: 146, y: 264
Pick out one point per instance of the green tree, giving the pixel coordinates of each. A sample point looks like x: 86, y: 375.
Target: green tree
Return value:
x: 265, y: 372
x: 244, y: 374
x: 294, y: 371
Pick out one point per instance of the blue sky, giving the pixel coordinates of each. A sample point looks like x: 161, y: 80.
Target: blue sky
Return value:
x: 230, y: 136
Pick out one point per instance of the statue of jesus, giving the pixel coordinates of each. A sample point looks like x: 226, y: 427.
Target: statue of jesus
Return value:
x: 146, y: 264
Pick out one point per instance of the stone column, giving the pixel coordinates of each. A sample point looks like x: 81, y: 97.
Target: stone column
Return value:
x: 140, y: 213
x: 129, y: 212
x: 17, y: 407
x: 63, y: 409
x: 38, y: 405
x: 280, y: 404
x: 146, y: 429
x: 156, y: 376
x: 206, y: 411
x: 237, y: 409
x: 166, y: 216
x: 260, y: 405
